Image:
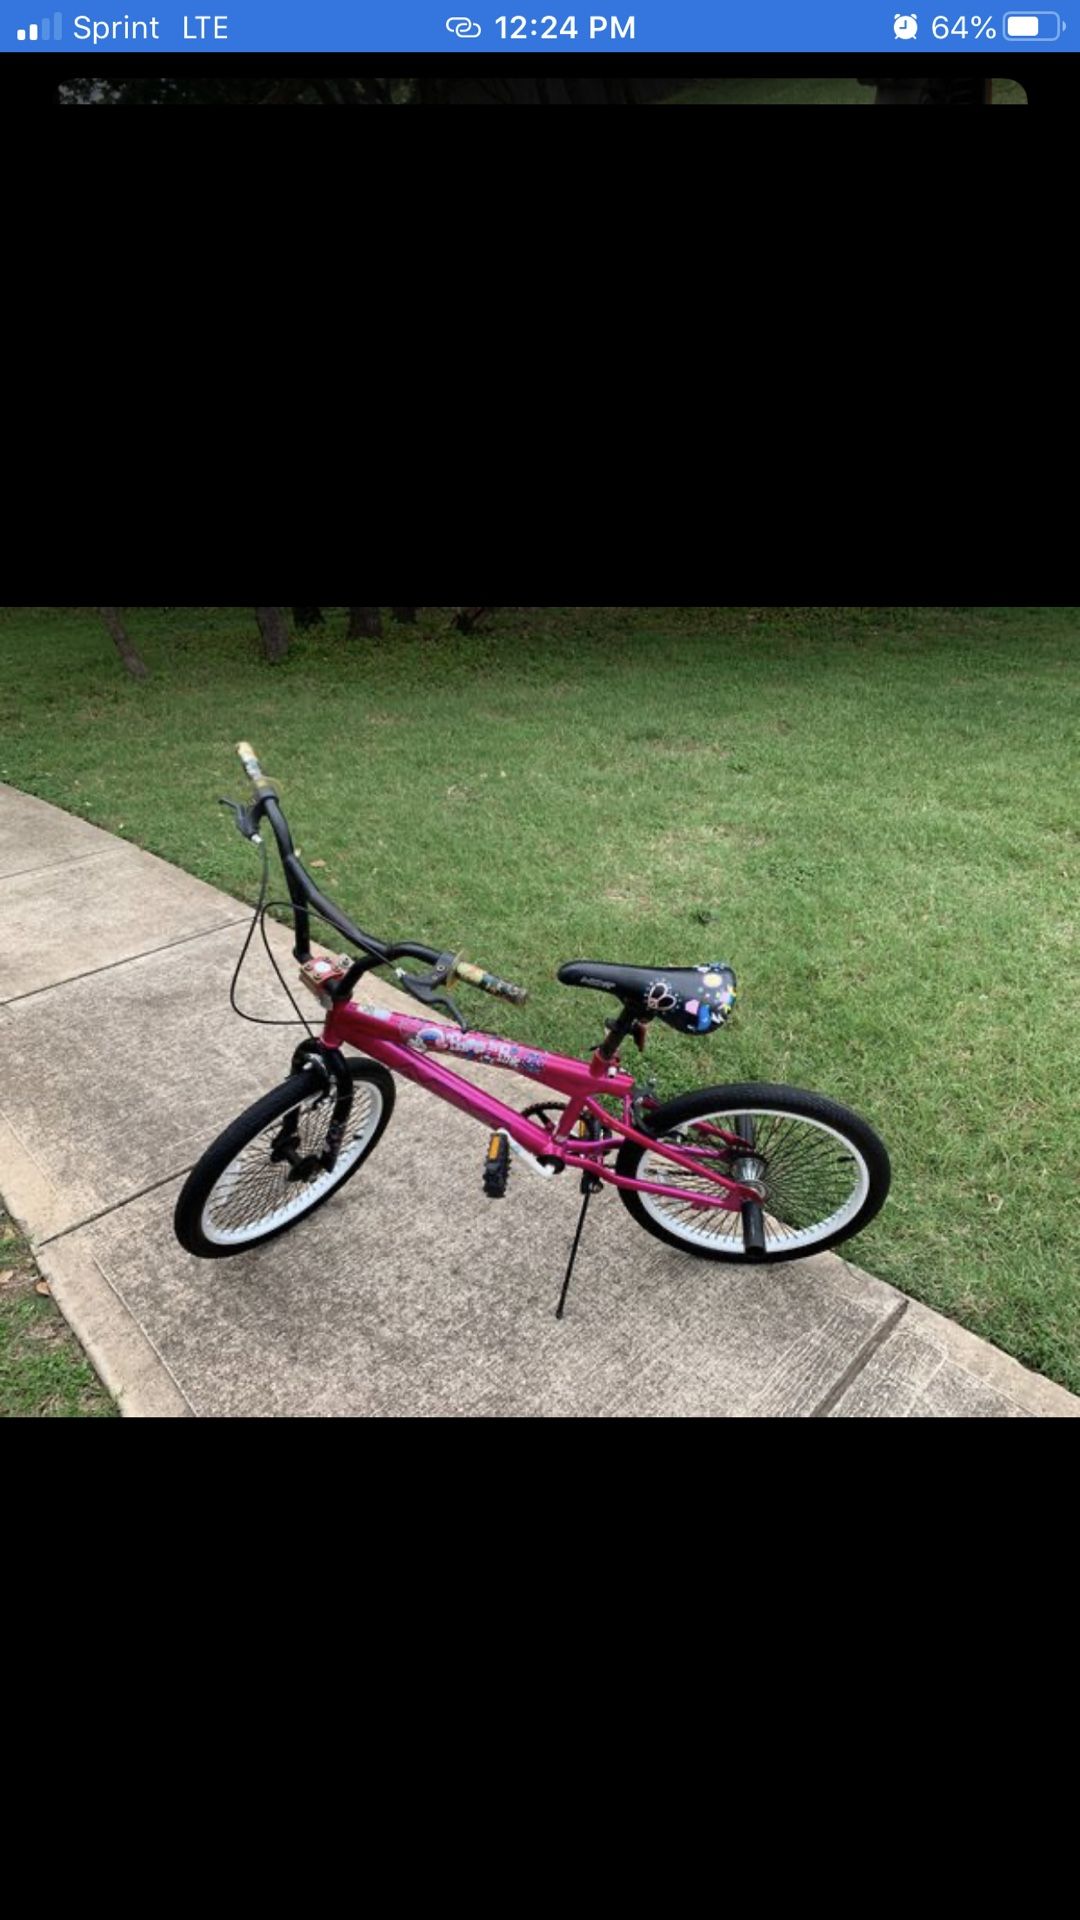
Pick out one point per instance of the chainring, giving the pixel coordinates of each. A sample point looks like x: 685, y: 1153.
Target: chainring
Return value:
x: 539, y: 1111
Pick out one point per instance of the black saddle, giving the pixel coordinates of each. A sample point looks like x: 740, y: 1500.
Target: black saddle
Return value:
x: 690, y: 999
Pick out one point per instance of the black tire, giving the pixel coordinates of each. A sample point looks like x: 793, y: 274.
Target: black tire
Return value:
x: 302, y: 1093
x: 872, y: 1171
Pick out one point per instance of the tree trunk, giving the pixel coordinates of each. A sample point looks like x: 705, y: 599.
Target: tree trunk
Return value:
x: 132, y: 660
x: 467, y: 617
x: 406, y: 615
x: 365, y: 623
x: 365, y: 93
x: 284, y: 93
x: 308, y: 616
x: 275, y: 634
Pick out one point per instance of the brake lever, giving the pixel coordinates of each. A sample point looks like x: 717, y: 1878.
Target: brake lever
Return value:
x: 444, y: 1000
x: 424, y: 991
x: 246, y: 823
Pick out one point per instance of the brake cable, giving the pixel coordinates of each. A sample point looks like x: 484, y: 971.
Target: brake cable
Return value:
x: 262, y: 908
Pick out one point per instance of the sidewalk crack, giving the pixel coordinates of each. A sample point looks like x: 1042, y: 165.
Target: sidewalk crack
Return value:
x: 50, y: 866
x: 850, y: 1373
x: 113, y: 1207
x: 128, y: 960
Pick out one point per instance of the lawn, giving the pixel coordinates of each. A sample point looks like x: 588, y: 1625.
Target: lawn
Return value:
x: 43, y: 1370
x: 871, y: 815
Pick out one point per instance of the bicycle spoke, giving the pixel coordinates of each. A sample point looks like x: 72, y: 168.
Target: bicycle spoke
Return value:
x: 256, y: 1192
x: 813, y: 1179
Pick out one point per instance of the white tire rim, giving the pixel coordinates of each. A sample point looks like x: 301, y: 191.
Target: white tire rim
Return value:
x: 719, y: 1228
x: 286, y: 1199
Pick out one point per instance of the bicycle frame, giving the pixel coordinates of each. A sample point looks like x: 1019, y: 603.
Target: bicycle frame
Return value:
x: 405, y: 1043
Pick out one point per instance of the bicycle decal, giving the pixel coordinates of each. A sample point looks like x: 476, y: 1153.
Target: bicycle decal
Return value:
x: 660, y: 997
x: 483, y: 1048
x: 705, y: 1007
x: 718, y: 995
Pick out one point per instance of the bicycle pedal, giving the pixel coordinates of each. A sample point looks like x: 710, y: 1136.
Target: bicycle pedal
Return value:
x: 497, y: 1166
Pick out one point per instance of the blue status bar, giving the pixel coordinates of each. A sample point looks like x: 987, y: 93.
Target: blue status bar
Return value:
x: 660, y: 26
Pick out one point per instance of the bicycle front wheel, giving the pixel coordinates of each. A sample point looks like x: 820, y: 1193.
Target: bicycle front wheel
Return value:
x: 265, y: 1172
x: 820, y: 1171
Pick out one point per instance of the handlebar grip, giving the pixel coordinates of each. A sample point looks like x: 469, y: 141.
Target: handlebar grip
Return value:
x: 251, y: 766
x: 490, y: 983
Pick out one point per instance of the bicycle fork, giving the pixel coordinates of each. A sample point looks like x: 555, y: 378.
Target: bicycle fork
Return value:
x: 313, y: 1056
x: 747, y: 1171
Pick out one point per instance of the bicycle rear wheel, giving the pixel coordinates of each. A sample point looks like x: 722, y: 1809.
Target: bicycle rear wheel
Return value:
x: 821, y: 1172
x: 264, y: 1173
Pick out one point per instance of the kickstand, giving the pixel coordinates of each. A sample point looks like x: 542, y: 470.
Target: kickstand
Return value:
x: 589, y: 1186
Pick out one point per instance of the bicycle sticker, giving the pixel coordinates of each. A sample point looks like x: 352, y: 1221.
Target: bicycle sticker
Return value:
x: 707, y: 1006
x: 660, y: 997
x: 482, y: 1048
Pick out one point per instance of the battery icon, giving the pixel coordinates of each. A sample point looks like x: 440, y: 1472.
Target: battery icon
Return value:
x: 1032, y: 26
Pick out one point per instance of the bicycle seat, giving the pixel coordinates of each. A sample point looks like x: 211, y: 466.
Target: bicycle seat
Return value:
x: 690, y: 999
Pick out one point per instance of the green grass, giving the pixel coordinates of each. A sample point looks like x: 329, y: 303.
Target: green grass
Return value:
x: 804, y: 93
x: 871, y: 815
x: 43, y: 1370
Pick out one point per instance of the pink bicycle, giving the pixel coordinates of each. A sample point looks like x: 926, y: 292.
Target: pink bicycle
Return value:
x: 739, y: 1173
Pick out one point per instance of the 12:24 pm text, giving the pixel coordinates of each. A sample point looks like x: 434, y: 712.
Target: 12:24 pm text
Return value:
x: 601, y: 26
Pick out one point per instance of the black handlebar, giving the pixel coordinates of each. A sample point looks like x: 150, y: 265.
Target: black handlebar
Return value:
x: 306, y: 898
x: 303, y: 892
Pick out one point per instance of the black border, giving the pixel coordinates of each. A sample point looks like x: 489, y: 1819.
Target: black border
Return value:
x: 1048, y: 79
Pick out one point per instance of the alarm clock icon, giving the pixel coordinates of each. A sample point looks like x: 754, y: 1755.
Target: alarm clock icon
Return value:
x: 905, y: 26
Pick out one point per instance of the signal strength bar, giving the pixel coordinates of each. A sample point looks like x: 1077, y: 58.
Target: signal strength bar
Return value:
x: 48, y: 30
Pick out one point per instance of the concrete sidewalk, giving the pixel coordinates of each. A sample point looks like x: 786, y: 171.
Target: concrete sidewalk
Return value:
x: 407, y: 1294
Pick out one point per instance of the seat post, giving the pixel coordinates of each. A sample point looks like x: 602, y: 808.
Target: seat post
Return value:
x: 618, y: 1029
